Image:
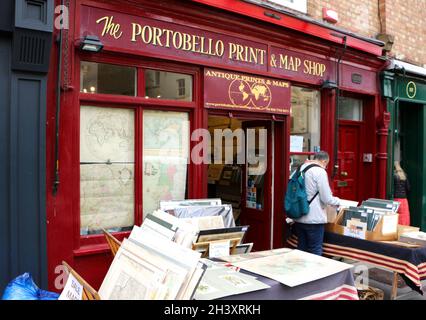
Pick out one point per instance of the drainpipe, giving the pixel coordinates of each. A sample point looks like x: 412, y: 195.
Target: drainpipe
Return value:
x: 384, y: 153
x: 58, y: 110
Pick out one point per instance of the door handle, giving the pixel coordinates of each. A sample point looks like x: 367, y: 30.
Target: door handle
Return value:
x: 344, y: 173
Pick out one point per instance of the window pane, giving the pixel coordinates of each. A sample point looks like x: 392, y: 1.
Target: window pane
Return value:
x: 168, y: 85
x: 106, y: 169
x: 305, y: 120
x: 165, y: 157
x: 350, y: 109
x: 296, y: 161
x: 107, y: 78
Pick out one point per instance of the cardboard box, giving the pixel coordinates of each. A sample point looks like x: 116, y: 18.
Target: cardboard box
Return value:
x: 385, y: 230
x: 405, y: 229
x: 332, y: 210
x: 331, y: 214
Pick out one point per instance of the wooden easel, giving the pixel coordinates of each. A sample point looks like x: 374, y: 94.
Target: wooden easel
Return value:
x: 113, y: 242
x: 88, y: 292
x: 206, y: 245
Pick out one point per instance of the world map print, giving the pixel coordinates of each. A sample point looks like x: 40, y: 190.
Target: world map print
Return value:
x: 106, y: 168
x: 106, y: 134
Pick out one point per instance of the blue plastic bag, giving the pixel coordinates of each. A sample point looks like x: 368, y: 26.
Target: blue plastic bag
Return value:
x: 24, y: 288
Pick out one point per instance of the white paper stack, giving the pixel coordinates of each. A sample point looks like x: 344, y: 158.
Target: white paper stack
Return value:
x: 186, y: 232
x: 418, y: 238
x: 150, y: 265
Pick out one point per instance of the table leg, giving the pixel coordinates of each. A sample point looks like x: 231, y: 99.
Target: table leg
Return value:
x: 394, y: 292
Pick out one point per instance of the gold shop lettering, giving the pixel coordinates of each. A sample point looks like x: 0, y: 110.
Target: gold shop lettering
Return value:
x: 296, y: 64
x: 246, y: 54
x: 179, y: 40
x: 167, y: 38
x: 314, y: 68
x: 110, y: 27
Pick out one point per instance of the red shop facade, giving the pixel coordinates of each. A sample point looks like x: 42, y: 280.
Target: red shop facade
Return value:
x: 130, y: 115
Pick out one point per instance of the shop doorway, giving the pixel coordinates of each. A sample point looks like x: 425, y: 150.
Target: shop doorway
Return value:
x: 241, y: 174
x: 348, y: 157
x: 347, y: 180
x: 410, y: 152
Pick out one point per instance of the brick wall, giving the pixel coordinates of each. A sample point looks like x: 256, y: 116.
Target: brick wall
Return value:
x: 359, y: 16
x: 404, y: 19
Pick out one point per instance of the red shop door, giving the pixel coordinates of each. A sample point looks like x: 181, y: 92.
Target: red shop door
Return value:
x: 346, y: 183
x: 257, y: 196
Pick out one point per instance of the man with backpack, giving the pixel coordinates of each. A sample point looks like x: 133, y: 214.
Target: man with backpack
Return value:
x: 308, y: 195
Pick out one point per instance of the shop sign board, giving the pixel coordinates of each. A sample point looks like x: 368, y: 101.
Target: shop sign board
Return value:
x: 238, y: 91
x: 412, y: 90
x: 293, y: 64
x: 164, y: 39
x: 170, y: 40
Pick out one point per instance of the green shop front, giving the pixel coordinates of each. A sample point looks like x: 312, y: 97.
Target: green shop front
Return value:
x: 404, y: 88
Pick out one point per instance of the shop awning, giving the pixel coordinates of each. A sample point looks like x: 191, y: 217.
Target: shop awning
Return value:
x: 406, y: 67
x: 298, y: 23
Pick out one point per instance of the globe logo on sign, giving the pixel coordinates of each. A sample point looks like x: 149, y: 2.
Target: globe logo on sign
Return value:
x: 242, y: 94
x: 411, y: 90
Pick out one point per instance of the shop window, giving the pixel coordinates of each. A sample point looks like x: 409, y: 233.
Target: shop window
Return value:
x: 107, y: 79
x: 107, y: 163
x: 305, y: 131
x: 165, y: 157
x: 181, y: 87
x: 296, y: 161
x: 168, y: 85
x: 350, y: 109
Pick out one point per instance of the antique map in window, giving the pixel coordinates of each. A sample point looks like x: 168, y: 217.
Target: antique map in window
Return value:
x: 106, y: 168
x: 165, y: 157
x: 107, y: 196
x: 106, y: 134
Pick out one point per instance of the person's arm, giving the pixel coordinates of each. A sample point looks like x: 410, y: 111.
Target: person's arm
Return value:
x: 325, y: 193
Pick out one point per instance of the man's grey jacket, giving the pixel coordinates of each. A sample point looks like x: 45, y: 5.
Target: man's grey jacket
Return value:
x: 316, y: 179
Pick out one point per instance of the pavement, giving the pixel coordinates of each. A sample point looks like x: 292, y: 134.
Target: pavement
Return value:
x: 404, y: 292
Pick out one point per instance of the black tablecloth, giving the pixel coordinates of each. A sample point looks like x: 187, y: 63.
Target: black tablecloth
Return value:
x: 410, y: 263
x: 339, y: 286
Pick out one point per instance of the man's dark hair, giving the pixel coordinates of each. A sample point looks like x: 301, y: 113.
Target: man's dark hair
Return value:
x: 322, y: 155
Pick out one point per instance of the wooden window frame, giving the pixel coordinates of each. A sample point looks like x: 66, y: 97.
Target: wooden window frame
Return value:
x: 92, y: 244
x: 309, y: 154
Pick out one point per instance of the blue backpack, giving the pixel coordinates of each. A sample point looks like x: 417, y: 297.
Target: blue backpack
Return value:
x: 296, y: 202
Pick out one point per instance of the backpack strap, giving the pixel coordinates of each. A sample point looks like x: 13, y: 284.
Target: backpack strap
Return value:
x: 309, y: 167
x: 309, y: 202
x: 304, y: 172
